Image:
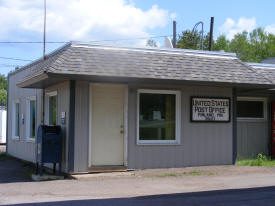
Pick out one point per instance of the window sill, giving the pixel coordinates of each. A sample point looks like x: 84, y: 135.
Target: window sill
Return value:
x: 15, y: 138
x: 251, y: 119
x: 30, y: 140
x: 158, y: 143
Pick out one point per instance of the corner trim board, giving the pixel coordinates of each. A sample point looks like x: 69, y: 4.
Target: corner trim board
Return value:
x: 71, y: 134
x: 234, y: 126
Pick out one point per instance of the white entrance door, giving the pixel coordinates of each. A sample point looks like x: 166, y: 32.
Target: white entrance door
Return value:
x: 107, y: 124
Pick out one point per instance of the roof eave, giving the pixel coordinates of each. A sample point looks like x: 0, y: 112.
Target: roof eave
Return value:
x: 32, y: 81
x: 52, y: 78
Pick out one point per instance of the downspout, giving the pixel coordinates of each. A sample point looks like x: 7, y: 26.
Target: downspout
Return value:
x: 43, y: 107
x: 43, y: 102
x: 71, y: 135
x: 7, y: 116
x: 234, y: 126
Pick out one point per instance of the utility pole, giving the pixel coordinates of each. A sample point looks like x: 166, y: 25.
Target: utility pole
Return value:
x: 211, y: 33
x: 44, y: 33
x: 174, y: 34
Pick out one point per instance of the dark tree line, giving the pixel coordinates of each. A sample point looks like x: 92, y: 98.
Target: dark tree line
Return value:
x: 3, y: 90
x: 249, y: 47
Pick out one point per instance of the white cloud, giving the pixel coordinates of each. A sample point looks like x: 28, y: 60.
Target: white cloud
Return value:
x: 228, y: 24
x: 270, y: 28
x: 79, y: 19
x: 173, y: 15
x: 230, y: 27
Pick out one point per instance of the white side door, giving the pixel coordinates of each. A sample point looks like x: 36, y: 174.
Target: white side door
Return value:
x: 107, y: 142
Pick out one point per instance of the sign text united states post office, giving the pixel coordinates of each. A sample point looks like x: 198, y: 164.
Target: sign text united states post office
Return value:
x: 210, y: 109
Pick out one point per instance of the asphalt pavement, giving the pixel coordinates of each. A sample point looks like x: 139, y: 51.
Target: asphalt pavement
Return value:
x: 264, y: 196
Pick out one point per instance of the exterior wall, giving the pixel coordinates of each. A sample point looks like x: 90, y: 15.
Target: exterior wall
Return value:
x: 63, y: 97
x: 21, y: 148
x: 201, y: 143
x: 253, y: 136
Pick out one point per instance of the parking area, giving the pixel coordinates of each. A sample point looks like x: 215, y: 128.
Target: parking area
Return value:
x: 215, y: 185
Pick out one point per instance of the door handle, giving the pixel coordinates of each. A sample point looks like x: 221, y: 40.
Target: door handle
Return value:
x: 121, y: 129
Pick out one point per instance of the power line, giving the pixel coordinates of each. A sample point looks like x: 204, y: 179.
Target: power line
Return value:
x: 10, y: 65
x: 129, y: 39
x: 32, y: 42
x: 10, y: 58
x: 95, y: 41
x: 62, y: 42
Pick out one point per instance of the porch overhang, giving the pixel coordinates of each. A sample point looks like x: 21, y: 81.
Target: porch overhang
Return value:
x: 28, y: 83
x: 41, y: 81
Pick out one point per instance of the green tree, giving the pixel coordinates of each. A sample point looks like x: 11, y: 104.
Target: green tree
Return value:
x: 249, y: 47
x: 192, y: 40
x: 241, y: 46
x: 3, y: 90
x: 271, y: 45
x: 3, y: 97
x: 259, y: 44
x: 206, y: 39
x: 221, y: 44
x: 3, y: 82
x: 189, y: 40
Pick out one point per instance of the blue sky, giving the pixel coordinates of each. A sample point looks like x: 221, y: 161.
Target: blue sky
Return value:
x: 95, y: 20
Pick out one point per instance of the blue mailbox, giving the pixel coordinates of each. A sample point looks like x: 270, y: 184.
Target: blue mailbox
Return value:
x: 49, y: 146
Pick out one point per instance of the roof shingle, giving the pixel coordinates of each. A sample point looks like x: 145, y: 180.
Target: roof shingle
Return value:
x: 172, y: 64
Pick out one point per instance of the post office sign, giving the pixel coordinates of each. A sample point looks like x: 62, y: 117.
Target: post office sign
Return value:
x: 210, y: 109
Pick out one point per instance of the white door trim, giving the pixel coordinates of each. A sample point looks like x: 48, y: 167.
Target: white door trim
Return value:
x: 90, y: 125
x: 126, y: 126
x: 125, y: 115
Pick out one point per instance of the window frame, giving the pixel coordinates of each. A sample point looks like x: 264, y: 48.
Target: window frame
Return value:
x: 28, y: 118
x: 48, y: 95
x: 255, y: 99
x: 177, y: 120
x: 14, y: 137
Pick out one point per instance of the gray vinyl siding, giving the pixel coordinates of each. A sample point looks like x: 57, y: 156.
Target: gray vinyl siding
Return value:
x: 81, y: 147
x: 253, y: 138
x: 201, y: 143
x: 63, y: 97
x: 22, y: 148
x: 253, y: 135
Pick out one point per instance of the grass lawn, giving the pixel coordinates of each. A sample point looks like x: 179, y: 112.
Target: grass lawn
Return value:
x: 261, y: 160
x: 189, y: 173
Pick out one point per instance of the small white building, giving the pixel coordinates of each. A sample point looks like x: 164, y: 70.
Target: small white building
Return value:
x: 3, y: 121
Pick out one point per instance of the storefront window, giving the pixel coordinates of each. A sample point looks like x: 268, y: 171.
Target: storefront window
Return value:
x: 250, y: 108
x: 52, y: 110
x: 16, y: 120
x: 158, y: 116
x: 31, y: 118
